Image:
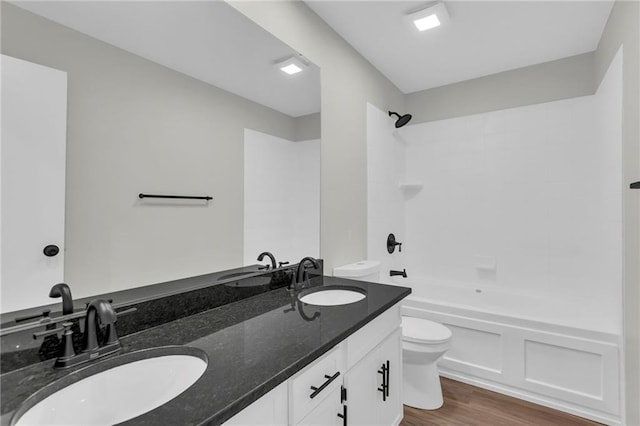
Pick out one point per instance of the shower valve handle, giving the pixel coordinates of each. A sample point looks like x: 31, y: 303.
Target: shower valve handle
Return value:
x: 392, y: 243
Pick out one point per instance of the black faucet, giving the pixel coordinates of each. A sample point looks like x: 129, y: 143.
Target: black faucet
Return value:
x: 272, y: 257
x: 63, y: 290
x: 100, y: 314
x: 301, y: 273
x: 402, y: 273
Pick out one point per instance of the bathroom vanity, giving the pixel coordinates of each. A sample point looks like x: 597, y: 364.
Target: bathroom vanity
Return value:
x: 357, y: 382
x: 271, y: 359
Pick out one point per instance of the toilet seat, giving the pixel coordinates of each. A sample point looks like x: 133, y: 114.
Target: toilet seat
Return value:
x: 420, y: 330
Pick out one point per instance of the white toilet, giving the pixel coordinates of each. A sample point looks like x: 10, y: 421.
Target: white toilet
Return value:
x: 423, y: 343
x: 365, y: 270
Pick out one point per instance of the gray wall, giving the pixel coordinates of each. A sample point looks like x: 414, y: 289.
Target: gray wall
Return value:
x: 135, y: 126
x: 550, y: 81
x: 623, y: 29
x: 307, y: 127
x: 348, y: 83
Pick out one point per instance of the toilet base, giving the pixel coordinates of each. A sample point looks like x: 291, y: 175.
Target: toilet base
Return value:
x: 421, y: 386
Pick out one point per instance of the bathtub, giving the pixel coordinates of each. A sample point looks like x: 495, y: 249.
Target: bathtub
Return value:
x: 546, y: 350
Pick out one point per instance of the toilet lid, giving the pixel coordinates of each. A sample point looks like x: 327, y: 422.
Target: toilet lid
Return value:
x: 422, y: 330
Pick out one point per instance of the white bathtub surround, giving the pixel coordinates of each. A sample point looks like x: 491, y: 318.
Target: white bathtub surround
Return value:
x: 514, y: 241
x: 385, y: 196
x: 528, y: 199
x: 281, y: 197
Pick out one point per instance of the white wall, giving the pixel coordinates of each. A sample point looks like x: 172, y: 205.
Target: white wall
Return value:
x: 623, y: 29
x: 385, y: 199
x: 527, y: 199
x: 281, y: 197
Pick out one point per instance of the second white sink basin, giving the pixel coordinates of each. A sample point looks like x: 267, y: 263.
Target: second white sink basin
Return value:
x: 119, y: 393
x: 333, y: 296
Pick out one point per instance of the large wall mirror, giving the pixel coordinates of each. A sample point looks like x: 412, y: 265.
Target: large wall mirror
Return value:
x: 176, y: 98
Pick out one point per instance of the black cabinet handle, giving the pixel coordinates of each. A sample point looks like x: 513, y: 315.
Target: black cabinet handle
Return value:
x: 384, y: 370
x: 387, y: 388
x: 330, y: 379
x: 51, y: 250
x: 383, y: 388
x: 635, y: 185
x: 343, y: 416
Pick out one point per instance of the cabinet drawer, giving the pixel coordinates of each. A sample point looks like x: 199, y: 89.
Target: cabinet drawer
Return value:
x: 368, y: 337
x: 326, y: 413
x: 324, y: 375
x: 270, y: 409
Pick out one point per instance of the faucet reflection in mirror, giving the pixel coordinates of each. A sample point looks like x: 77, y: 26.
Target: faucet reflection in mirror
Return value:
x: 271, y: 257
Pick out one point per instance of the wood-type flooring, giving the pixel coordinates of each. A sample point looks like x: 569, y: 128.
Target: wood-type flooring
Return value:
x: 466, y: 405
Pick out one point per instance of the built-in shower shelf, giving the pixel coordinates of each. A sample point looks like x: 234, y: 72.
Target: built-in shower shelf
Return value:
x: 410, y: 186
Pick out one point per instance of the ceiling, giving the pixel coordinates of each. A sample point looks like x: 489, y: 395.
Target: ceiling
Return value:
x: 482, y: 38
x: 209, y: 41
x: 212, y: 42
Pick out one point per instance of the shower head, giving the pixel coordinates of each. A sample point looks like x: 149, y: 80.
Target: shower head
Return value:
x: 402, y: 119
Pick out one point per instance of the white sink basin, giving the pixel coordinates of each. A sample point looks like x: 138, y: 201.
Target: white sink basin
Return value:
x: 119, y: 393
x: 333, y: 296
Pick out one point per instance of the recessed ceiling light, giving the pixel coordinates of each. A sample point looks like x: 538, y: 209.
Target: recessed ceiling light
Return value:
x: 430, y: 17
x: 426, y: 23
x: 291, y: 66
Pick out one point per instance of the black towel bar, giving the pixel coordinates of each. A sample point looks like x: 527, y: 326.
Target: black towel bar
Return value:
x: 182, y: 197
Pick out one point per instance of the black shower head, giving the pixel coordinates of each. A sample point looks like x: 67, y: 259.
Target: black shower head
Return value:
x: 402, y: 119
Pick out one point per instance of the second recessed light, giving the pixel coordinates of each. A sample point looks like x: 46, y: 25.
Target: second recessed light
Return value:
x: 430, y: 17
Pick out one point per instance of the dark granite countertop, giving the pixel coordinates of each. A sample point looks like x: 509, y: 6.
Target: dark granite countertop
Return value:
x: 252, y: 345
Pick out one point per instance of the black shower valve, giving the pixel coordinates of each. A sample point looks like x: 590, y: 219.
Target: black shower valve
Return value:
x: 392, y: 243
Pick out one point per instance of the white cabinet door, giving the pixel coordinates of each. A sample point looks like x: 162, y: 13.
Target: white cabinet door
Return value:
x: 34, y: 119
x: 362, y: 383
x: 389, y: 354
x: 327, y: 413
x: 373, y: 392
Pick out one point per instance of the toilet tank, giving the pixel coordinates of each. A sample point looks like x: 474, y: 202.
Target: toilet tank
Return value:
x: 365, y: 270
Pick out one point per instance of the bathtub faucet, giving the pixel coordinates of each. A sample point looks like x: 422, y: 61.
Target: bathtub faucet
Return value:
x: 402, y: 273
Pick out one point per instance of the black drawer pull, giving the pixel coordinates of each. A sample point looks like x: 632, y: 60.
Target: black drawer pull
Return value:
x: 330, y: 379
x: 343, y: 416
